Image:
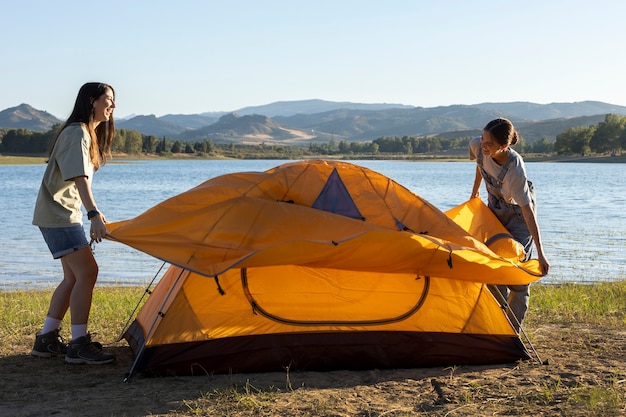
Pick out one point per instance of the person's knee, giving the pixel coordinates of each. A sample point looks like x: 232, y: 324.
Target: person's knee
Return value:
x: 87, y: 275
x: 91, y: 275
x: 83, y: 266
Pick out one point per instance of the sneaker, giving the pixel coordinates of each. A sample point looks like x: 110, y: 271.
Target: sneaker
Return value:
x: 83, y: 350
x: 48, y: 345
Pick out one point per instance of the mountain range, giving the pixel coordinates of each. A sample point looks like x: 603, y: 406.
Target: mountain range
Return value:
x: 299, y: 122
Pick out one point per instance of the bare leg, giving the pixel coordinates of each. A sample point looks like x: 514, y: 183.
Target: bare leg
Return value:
x: 80, y: 269
x: 60, y: 301
x: 83, y: 267
x: 80, y: 273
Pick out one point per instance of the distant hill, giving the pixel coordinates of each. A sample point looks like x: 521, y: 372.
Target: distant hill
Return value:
x: 367, y: 125
x: 247, y: 129
x: 27, y: 117
x: 533, y: 111
x: 151, y: 125
x: 549, y: 129
x: 290, y: 108
x: 190, y: 121
x: 299, y: 122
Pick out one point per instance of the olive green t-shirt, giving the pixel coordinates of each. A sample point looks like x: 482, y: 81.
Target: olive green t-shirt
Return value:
x: 58, y: 202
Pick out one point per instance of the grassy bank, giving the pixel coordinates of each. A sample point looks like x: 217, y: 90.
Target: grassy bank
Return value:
x: 602, y: 304
x: 581, y: 328
x: 21, y: 160
x: 22, y: 312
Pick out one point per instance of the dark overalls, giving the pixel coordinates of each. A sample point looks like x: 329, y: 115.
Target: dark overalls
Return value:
x: 510, y: 215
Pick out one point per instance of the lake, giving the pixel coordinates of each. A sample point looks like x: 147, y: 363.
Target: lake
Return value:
x: 582, y: 213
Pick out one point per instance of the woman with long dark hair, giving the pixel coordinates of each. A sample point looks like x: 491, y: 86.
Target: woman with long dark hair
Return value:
x: 79, y: 149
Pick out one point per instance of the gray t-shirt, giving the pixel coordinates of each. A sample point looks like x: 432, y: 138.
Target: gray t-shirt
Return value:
x: 515, y: 188
x: 58, y: 202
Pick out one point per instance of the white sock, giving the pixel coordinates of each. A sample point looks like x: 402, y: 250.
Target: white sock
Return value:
x: 51, y: 324
x: 78, y: 330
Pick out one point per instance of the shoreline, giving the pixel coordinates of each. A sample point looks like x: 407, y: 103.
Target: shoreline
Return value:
x: 121, y: 158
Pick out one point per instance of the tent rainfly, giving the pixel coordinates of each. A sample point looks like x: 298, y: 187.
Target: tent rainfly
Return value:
x: 319, y: 265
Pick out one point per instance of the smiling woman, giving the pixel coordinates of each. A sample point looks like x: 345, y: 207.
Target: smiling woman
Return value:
x: 79, y: 149
x: 511, y: 198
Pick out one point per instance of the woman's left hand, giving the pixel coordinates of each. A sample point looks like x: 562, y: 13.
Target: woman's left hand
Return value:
x: 544, y: 265
x: 98, y: 228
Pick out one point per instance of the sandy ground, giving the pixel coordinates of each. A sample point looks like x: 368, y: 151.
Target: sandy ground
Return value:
x: 586, y: 377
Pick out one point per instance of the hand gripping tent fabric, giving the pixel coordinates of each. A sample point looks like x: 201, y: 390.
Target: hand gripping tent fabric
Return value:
x: 318, y: 265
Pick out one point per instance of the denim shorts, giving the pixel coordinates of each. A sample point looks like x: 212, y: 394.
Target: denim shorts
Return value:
x: 64, y: 240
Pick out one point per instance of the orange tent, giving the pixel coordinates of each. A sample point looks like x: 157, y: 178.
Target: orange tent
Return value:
x: 320, y: 265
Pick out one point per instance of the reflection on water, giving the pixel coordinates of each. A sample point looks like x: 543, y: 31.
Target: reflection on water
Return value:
x: 583, y: 223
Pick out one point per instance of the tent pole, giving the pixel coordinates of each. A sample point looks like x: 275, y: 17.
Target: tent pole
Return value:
x: 138, y: 356
x: 506, y: 309
x: 523, y: 332
x: 160, y: 315
x: 146, y: 291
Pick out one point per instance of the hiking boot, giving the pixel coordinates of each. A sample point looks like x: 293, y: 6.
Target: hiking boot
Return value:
x: 48, y: 345
x: 83, y: 350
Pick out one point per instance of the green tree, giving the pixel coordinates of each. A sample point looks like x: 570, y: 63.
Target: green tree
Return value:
x: 119, y: 141
x: 389, y: 144
x: 543, y: 146
x: 149, y: 143
x: 134, y: 142
x: 580, y: 142
x: 408, y: 148
x: 574, y: 140
x: 622, y: 139
x: 356, y: 147
x: 428, y: 144
x: 607, y: 135
x: 332, y: 146
x: 163, y: 146
x: 25, y: 141
x: 177, y: 147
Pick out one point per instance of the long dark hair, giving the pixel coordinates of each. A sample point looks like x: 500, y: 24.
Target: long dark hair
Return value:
x: 503, y: 131
x: 102, y: 135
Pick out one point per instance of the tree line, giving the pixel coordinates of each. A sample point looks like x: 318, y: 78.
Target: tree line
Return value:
x: 608, y: 136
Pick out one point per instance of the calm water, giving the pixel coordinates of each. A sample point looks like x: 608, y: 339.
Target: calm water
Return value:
x: 582, y: 213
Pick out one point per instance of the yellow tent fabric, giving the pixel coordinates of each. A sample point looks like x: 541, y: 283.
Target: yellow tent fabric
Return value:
x: 267, y: 219
x: 319, y: 265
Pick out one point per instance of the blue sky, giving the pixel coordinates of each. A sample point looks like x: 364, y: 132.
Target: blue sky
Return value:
x: 187, y: 57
